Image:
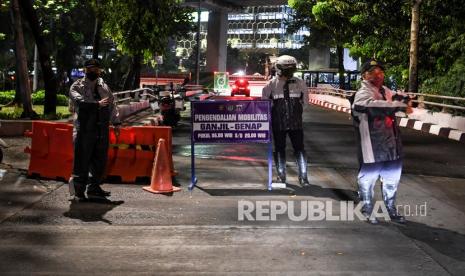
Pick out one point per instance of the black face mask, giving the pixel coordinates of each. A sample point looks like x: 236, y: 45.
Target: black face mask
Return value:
x: 288, y: 73
x: 92, y: 76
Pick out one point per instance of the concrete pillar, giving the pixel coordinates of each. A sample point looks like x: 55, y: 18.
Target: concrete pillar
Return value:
x: 318, y: 58
x: 217, y: 41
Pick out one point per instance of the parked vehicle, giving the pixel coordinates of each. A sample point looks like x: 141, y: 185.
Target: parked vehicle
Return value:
x: 171, y: 103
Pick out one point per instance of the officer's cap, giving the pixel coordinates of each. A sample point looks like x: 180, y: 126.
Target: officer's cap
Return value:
x: 370, y: 64
x: 92, y: 63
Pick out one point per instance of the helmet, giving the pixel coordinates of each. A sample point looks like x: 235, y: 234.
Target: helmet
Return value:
x: 286, y: 66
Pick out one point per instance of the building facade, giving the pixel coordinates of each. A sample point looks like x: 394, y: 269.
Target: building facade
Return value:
x: 261, y: 28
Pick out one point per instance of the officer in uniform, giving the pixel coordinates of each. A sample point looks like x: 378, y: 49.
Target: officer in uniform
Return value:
x: 380, y: 146
x: 289, y: 95
x: 93, y: 104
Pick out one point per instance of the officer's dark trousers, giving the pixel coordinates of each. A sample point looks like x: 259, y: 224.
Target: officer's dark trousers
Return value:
x: 90, y: 146
x: 296, y: 136
x: 90, y: 157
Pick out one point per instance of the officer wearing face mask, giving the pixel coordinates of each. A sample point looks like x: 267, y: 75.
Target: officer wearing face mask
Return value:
x: 379, y: 140
x: 95, y: 109
x: 289, y: 95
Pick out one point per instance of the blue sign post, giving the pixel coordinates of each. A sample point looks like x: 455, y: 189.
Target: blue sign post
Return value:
x: 233, y: 121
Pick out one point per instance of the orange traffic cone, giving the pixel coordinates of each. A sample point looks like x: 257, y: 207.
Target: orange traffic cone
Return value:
x: 161, y: 174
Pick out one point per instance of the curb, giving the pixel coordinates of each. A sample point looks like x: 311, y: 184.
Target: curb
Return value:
x: 433, y: 129
x: 13, y: 128
x: 330, y: 105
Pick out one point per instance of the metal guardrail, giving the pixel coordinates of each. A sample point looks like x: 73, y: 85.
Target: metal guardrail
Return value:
x: 132, y: 95
x: 418, y: 97
x: 193, y: 87
x: 126, y: 96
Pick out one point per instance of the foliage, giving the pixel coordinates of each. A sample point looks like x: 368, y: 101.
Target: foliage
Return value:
x: 189, y: 63
x: 304, y: 17
x: 369, y: 28
x: 450, y: 84
x: 7, y: 96
x: 383, y: 33
x: 38, y: 98
x: 235, y: 60
x: 255, y: 62
x: 170, y: 60
x: 11, y: 113
x: 381, y: 30
x: 144, y: 27
x: 329, y: 24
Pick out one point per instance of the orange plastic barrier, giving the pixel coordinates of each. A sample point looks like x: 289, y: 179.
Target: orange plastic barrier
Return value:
x: 161, y: 176
x: 51, y: 150
x: 150, y: 136
x: 122, y: 161
x: 132, y: 153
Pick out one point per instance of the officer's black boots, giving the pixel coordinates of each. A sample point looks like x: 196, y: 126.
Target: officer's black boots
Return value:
x: 95, y: 191
x: 77, y: 190
x: 367, y: 209
x: 395, y: 216
x: 280, y: 161
x: 301, y: 161
x: 389, y: 198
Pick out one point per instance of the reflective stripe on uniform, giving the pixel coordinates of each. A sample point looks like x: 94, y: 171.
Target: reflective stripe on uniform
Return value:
x: 291, y: 95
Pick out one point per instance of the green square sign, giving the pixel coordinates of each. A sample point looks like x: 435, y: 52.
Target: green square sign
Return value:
x: 221, y: 81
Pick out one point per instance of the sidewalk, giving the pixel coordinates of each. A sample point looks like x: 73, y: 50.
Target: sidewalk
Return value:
x: 185, y: 233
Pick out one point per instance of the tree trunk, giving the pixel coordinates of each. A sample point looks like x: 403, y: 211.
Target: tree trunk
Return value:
x: 44, y: 57
x: 414, y: 32
x: 340, y: 65
x: 97, y: 30
x: 129, y: 80
x: 132, y: 80
x: 136, y: 68
x: 17, y: 99
x: 22, y: 73
x: 97, y: 34
x: 35, y: 82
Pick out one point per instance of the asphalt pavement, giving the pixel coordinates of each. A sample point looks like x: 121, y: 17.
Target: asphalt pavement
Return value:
x: 200, y: 232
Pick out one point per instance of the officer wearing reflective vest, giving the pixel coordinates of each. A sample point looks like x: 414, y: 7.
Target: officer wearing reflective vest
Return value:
x: 289, y: 96
x: 380, y: 146
x: 94, y: 110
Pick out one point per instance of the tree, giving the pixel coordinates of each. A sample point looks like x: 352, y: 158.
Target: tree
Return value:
x: 97, y: 29
x: 442, y: 32
x: 381, y: 31
x: 170, y: 60
x: 190, y: 62
x: 70, y: 30
x: 141, y: 29
x: 256, y: 61
x: 413, y: 68
x: 235, y: 60
x: 7, y: 56
x: 50, y: 100
x: 329, y: 24
x: 22, y: 72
